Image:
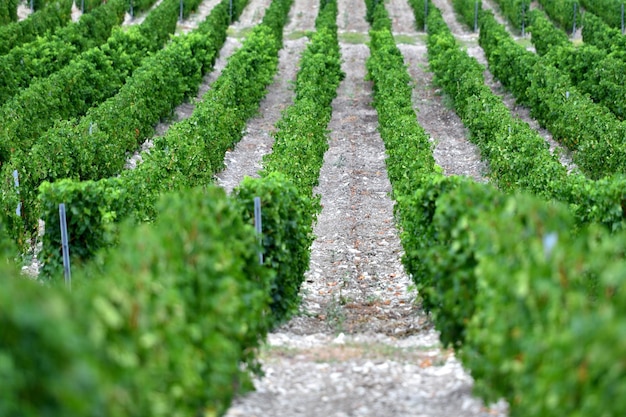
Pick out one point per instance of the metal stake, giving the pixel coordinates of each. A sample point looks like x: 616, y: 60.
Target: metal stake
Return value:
x: 523, y: 19
x: 476, y: 16
x: 65, y: 246
x: 257, y: 225
x: 574, y: 22
x: 16, y: 181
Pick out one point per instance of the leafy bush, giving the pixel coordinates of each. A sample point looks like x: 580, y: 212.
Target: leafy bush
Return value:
x: 48, y: 364
x: 8, y: 12
x: 52, y: 52
x: 287, y: 236
x: 468, y: 11
x: 54, y: 16
x: 291, y: 171
x: 565, y: 13
x: 608, y: 10
x: 167, y: 325
x: 410, y: 162
x: 181, y: 306
x: 516, y: 12
x: 596, y: 32
x: 544, y: 35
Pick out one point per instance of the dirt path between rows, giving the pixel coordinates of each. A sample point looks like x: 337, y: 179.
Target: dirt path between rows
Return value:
x: 360, y: 346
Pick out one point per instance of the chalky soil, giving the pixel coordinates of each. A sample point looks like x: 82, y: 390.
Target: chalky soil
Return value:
x: 361, y: 345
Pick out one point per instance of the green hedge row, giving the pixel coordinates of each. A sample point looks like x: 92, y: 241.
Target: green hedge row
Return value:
x: 297, y: 156
x: 409, y: 151
x: 516, y: 12
x: 591, y: 70
x: 594, y: 134
x: 167, y: 325
x: 544, y: 34
x: 178, y: 160
x: 565, y: 13
x: 56, y: 15
x: 410, y: 162
x: 517, y: 287
x: 537, y: 338
x: 518, y: 293
x: 8, y: 12
x: 95, y: 145
x: 518, y: 156
x: 52, y: 52
x: 85, y: 82
x: 596, y: 32
x: 420, y: 8
x: 468, y: 11
x: 609, y: 10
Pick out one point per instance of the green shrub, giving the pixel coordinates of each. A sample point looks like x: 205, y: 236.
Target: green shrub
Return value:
x: 565, y: 13
x: 8, y: 12
x: 49, y: 53
x: 55, y: 16
x: 287, y: 236
x: 608, y: 10
x: 167, y: 324
x: 48, y: 364
x: 596, y: 32
x: 181, y: 305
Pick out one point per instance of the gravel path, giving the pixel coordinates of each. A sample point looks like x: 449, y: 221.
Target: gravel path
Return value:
x: 361, y: 345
